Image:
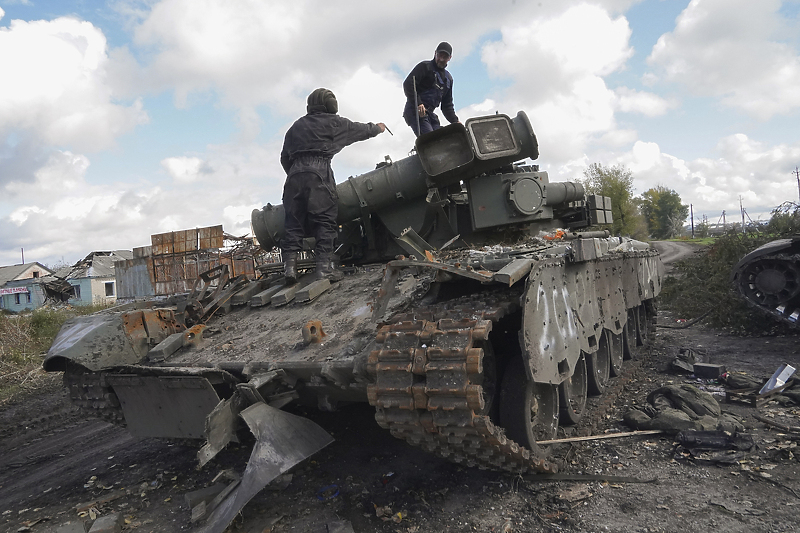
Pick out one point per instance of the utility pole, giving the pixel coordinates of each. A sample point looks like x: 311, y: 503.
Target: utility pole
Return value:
x: 22, y: 251
x: 741, y: 208
x: 797, y: 175
x: 691, y: 215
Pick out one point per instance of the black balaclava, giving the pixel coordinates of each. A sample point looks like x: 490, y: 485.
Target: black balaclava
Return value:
x: 323, y: 100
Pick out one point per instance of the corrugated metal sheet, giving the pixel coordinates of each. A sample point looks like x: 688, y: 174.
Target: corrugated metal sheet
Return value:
x: 177, y: 258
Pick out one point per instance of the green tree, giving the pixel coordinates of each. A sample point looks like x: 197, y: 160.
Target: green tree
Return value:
x: 785, y: 219
x: 616, y: 182
x: 663, y: 211
x: 702, y: 230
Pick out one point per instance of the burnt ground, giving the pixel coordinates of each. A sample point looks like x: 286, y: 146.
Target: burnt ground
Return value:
x: 54, y: 464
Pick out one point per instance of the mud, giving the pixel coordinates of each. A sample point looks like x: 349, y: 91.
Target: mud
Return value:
x: 53, y: 463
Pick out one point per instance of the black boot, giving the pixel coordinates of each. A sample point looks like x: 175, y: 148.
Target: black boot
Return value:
x: 325, y: 269
x: 290, y: 268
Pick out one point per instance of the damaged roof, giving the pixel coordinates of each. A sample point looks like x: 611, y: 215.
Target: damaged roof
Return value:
x: 9, y: 273
x: 95, y: 265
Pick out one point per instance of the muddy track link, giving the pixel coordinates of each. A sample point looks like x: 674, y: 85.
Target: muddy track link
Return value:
x: 428, y: 385
x: 91, y: 393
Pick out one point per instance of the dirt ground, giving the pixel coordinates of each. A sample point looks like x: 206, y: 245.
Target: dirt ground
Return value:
x: 56, y: 466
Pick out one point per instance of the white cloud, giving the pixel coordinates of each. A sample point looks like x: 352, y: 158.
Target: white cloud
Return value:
x: 185, y: 169
x: 648, y: 104
x: 50, y: 221
x: 20, y: 215
x: 759, y: 173
x: 561, y: 86
x: 739, y: 51
x: 59, y: 92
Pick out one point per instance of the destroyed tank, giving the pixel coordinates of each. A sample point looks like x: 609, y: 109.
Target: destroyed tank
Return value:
x: 768, y: 278
x: 481, y: 304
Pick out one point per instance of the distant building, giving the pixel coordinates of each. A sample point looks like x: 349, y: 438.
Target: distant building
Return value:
x: 93, y: 279
x: 174, y: 260
x: 20, y: 286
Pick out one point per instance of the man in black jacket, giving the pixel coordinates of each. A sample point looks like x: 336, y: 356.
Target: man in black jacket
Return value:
x: 309, y: 194
x: 434, y: 87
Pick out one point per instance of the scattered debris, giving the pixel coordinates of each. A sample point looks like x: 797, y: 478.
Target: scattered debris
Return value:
x: 705, y: 446
x: 793, y: 429
x: 677, y: 408
x: 685, y: 360
x: 339, y: 526
x: 708, y: 370
x: 779, y: 378
x: 328, y: 492
x: 744, y: 508
x: 576, y: 493
x: 604, y: 436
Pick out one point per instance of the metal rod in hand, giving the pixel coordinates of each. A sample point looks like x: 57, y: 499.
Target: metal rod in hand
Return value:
x: 416, y: 103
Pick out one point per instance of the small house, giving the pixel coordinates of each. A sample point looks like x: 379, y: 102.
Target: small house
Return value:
x: 20, y: 287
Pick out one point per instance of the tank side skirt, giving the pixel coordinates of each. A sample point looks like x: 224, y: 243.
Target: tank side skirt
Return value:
x: 567, y: 306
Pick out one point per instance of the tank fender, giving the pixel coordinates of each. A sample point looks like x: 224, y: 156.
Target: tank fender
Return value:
x: 772, y: 247
x: 93, y: 341
x: 110, y: 339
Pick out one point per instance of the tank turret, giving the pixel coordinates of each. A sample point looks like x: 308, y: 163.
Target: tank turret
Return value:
x: 463, y: 182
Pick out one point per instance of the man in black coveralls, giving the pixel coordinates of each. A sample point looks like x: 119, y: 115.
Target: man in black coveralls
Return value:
x: 434, y: 87
x: 309, y: 194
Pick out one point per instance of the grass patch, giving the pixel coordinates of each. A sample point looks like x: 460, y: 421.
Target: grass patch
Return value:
x: 24, y: 341
x: 705, y: 241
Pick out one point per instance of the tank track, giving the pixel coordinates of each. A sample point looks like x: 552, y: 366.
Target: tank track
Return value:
x: 787, y: 315
x: 90, y: 393
x: 428, y: 386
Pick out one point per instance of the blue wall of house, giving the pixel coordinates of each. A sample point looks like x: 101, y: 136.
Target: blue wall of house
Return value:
x: 36, y: 297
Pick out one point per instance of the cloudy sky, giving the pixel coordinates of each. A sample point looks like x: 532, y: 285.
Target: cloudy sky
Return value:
x: 125, y: 118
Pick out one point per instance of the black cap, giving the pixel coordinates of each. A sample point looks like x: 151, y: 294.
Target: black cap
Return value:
x: 445, y: 47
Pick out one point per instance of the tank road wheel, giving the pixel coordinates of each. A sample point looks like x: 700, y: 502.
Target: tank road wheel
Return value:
x: 628, y: 339
x: 528, y: 410
x: 598, y: 366
x: 645, y: 320
x: 572, y: 395
x: 651, y: 312
x: 616, y: 352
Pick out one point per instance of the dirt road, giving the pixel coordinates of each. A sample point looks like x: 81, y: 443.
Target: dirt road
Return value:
x: 672, y: 251
x: 54, y: 465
